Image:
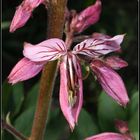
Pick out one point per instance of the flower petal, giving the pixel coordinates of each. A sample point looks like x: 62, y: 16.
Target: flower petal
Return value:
x: 87, y: 17
x: 23, y: 70
x: 95, y: 47
x: 110, y: 81
x: 23, y: 13
x: 71, y: 113
x: 107, y: 136
x: 115, y: 62
x: 20, y: 18
x: 48, y: 50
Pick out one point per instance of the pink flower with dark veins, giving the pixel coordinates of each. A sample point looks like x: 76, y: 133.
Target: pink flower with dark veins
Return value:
x: 71, y: 88
x: 36, y: 56
x: 23, y: 13
x: 87, y: 17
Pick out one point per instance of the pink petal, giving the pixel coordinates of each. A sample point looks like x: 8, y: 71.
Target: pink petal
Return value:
x: 23, y: 13
x: 20, y: 18
x: 48, y: 50
x: 110, y: 81
x: 98, y: 46
x: 71, y: 113
x: 23, y: 70
x: 115, y: 62
x: 107, y: 136
x: 87, y: 17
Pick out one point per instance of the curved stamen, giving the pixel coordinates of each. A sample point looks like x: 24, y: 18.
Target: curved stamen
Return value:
x: 87, y: 74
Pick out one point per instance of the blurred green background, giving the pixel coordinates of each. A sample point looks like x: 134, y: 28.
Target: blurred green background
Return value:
x: 99, y: 111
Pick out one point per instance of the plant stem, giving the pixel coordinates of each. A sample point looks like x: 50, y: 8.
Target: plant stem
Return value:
x: 12, y: 130
x: 56, y: 9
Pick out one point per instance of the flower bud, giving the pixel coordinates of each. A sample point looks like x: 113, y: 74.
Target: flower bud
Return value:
x: 86, y: 18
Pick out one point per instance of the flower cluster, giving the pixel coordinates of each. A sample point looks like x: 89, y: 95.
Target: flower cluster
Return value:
x: 93, y: 50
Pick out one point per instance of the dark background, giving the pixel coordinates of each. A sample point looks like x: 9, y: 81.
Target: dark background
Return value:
x: 99, y: 111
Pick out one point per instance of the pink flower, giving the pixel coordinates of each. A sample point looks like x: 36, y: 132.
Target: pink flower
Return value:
x: 71, y: 96
x: 109, y: 136
x: 86, y: 18
x: 23, y: 13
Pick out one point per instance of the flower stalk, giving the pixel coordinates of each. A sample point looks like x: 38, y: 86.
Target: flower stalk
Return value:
x: 55, y: 29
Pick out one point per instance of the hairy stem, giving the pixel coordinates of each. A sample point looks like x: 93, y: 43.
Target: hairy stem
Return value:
x: 12, y: 130
x: 56, y: 9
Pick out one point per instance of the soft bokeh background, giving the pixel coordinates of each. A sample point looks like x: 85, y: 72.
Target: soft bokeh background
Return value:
x: 99, y: 111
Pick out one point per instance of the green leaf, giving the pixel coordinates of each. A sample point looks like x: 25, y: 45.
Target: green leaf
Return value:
x: 24, y: 120
x: 56, y: 125
x: 86, y: 125
x: 18, y: 98
x: 108, y: 111
x: 31, y: 98
x: 133, y: 115
x: 6, y: 98
x: 85, y: 128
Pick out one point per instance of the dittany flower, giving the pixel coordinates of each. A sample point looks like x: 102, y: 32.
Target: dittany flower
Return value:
x: 36, y: 56
x: 71, y: 88
x: 23, y: 13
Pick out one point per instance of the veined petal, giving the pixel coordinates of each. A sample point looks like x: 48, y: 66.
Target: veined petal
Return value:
x: 23, y: 70
x: 48, y: 50
x: 115, y: 62
x: 95, y: 47
x: 107, y: 136
x: 70, y: 105
x: 110, y: 81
